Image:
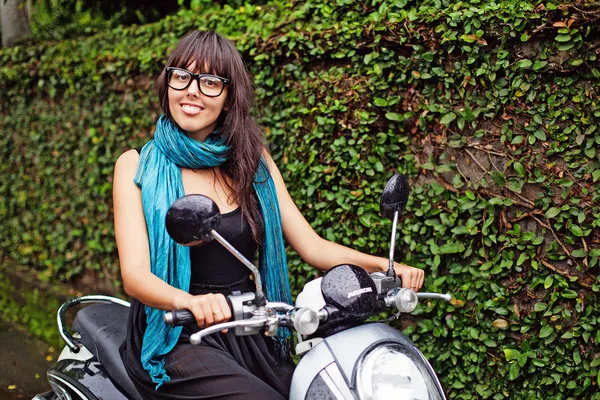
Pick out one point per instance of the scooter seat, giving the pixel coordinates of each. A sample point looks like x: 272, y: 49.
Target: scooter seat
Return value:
x: 103, y: 328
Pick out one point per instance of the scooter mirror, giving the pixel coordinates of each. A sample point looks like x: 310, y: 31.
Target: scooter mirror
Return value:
x: 191, y: 219
x: 394, y: 196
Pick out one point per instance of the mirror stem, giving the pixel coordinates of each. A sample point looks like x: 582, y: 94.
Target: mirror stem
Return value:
x: 240, y: 256
x: 391, y: 271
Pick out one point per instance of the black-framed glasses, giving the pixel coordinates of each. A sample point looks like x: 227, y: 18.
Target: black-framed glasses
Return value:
x: 210, y: 85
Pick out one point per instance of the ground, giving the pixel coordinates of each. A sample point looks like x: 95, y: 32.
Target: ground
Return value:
x: 24, y: 361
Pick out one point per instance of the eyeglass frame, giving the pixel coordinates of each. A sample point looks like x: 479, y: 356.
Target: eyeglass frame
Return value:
x: 197, y: 78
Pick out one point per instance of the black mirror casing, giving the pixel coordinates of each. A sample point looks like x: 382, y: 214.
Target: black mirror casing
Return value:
x: 350, y: 289
x: 394, y: 196
x: 191, y: 219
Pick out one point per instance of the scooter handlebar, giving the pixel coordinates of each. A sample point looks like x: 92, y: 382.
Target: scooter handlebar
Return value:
x: 179, y: 317
x: 185, y: 317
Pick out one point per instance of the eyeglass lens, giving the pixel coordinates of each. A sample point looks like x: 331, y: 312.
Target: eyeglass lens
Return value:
x: 209, y: 85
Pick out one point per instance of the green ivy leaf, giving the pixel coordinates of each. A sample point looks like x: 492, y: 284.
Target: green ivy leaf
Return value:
x: 394, y: 116
x: 563, y: 38
x: 498, y: 178
x: 567, y: 335
x: 519, y: 169
x: 579, y: 253
x: 513, y: 371
x: 468, y: 114
x: 565, y: 46
x: 538, y: 65
x: 448, y: 118
x: 591, y: 152
x: 524, y: 64
x: 576, y: 62
x: 552, y: 212
x: 365, y: 219
x: 546, y: 331
x: 379, y: 102
x: 576, y: 230
x: 452, y: 247
x: 515, y: 185
x: 540, y: 134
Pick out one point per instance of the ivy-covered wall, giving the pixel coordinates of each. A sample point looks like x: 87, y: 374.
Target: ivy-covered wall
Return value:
x: 490, y: 107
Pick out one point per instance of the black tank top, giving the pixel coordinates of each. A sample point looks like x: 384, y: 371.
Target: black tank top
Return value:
x: 213, y: 266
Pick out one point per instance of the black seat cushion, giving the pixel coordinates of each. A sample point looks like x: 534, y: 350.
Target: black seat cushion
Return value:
x: 103, y: 328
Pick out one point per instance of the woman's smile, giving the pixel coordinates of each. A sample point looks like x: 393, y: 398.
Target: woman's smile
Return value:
x: 191, y: 109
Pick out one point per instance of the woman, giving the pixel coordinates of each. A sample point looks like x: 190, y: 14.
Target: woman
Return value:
x: 208, y: 143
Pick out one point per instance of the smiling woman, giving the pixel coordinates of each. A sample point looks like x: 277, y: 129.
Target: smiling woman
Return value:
x: 204, y: 91
x: 207, y: 143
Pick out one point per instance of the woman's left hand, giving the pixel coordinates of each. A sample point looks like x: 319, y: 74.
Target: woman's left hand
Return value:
x: 411, y: 277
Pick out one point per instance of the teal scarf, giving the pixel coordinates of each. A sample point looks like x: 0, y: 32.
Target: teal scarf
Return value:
x: 159, y: 178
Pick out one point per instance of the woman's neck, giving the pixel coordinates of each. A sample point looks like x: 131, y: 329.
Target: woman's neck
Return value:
x: 202, y: 134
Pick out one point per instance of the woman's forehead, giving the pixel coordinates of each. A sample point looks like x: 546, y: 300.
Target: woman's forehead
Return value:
x: 203, y: 67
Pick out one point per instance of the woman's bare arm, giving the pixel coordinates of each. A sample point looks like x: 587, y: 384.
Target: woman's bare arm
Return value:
x: 321, y: 253
x: 134, y: 254
x: 132, y: 241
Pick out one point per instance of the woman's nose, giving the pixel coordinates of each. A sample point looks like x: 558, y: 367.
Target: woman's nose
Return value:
x: 193, y: 89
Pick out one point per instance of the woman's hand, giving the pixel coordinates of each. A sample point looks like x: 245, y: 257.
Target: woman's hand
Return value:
x: 209, y: 309
x: 411, y: 277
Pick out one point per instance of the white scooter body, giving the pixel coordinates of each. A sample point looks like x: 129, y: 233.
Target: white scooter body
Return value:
x: 336, y: 367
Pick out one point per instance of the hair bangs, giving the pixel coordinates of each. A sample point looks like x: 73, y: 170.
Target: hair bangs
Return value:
x: 203, y: 53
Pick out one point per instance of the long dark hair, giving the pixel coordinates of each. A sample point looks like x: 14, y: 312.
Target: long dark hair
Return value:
x: 214, y: 54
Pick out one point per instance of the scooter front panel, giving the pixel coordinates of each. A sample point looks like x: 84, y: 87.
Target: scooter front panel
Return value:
x: 323, y: 388
x: 308, y: 369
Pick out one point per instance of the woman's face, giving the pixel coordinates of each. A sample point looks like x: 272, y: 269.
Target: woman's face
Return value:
x: 194, y: 112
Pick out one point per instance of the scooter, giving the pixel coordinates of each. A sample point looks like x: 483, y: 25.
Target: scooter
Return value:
x: 342, y: 356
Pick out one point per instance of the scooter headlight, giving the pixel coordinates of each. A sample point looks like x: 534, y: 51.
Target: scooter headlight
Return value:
x: 392, y: 372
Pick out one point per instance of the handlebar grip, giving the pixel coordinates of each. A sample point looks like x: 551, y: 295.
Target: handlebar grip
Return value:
x: 179, y: 317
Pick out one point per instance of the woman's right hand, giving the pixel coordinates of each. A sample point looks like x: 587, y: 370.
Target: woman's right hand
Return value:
x: 208, y: 309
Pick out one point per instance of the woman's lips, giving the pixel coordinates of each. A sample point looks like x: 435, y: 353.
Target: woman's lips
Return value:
x: 191, y: 110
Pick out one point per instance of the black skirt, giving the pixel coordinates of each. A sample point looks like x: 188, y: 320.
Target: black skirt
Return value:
x: 223, y: 366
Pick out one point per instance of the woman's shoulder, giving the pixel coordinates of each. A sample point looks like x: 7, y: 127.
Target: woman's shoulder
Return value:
x: 128, y: 160
x: 268, y: 159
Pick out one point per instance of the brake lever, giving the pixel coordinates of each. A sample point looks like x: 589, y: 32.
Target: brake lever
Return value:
x: 255, y: 322
x: 437, y: 296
